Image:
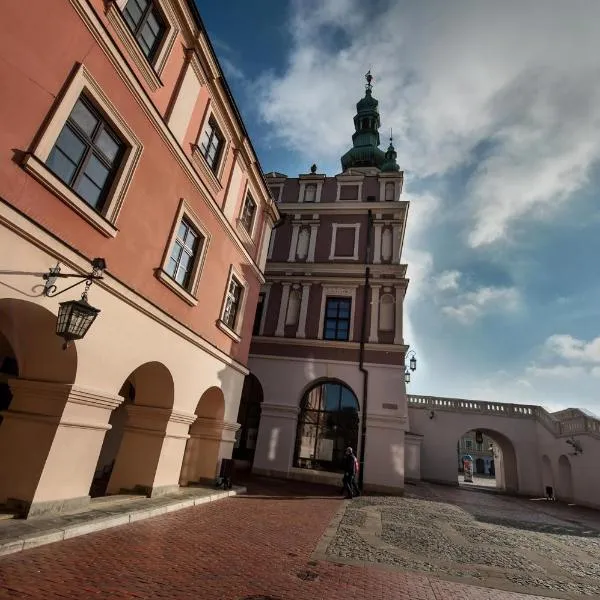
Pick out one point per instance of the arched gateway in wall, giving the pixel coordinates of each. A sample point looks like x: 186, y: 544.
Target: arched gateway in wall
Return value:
x: 327, y: 424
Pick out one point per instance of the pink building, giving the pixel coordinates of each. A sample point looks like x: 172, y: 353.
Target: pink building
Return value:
x: 327, y: 356
x: 120, y: 139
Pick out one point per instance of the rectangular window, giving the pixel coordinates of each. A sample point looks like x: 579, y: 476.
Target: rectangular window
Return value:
x: 310, y: 192
x: 86, y: 154
x: 260, y: 307
x: 469, y: 444
x: 146, y: 24
x: 248, y: 213
x: 349, y: 192
x: 232, y: 303
x: 337, y: 319
x: 211, y: 144
x: 186, y: 249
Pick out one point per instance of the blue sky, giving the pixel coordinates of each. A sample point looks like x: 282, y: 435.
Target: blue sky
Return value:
x: 495, y: 108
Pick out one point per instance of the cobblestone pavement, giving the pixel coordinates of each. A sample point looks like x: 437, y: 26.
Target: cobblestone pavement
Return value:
x: 286, y: 541
x: 529, y: 546
x: 489, y: 482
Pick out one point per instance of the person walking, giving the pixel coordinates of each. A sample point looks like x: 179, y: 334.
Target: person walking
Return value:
x: 349, y: 473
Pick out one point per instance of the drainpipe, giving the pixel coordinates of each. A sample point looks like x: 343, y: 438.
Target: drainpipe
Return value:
x: 363, y: 335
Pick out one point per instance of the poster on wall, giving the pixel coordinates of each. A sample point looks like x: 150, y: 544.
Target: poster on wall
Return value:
x: 468, y: 468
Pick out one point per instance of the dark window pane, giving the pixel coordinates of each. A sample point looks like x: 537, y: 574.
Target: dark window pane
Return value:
x: 70, y: 144
x: 82, y: 115
x: 181, y: 276
x: 172, y: 267
x: 61, y: 165
x: 89, y: 191
x: 108, y: 145
x: 186, y: 260
x: 182, y: 230
x: 96, y: 171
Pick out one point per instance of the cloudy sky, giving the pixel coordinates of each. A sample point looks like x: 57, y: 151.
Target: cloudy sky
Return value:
x: 495, y: 111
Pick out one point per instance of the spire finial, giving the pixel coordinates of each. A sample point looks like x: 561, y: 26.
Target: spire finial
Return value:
x: 369, y: 78
x: 391, y: 136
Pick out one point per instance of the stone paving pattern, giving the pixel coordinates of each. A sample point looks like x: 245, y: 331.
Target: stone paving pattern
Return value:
x: 514, y: 544
x: 280, y: 542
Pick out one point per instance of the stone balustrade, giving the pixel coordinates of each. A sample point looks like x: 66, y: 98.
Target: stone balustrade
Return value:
x: 559, y: 427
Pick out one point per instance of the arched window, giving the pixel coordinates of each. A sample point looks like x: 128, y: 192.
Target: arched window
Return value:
x: 327, y: 425
x: 386, y: 244
x: 390, y: 191
x: 302, y: 247
x: 386, y: 313
x: 293, y: 308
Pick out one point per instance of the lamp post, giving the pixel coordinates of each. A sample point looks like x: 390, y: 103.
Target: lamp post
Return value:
x: 75, y: 317
x: 412, y: 365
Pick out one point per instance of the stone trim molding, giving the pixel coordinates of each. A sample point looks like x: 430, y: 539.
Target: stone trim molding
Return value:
x: 279, y: 411
x: 321, y: 343
x: 335, y: 227
x: 386, y: 422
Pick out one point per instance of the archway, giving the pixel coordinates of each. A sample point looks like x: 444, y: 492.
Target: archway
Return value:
x: 205, y: 446
x: 327, y: 425
x: 8, y: 368
x: 492, y: 458
x: 547, y: 474
x: 132, y: 449
x: 249, y: 420
x: 565, y: 479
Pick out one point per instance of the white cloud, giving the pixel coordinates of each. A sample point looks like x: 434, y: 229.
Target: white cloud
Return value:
x: 470, y: 306
x: 447, y: 280
x: 570, y: 348
x: 520, y: 79
x: 560, y: 371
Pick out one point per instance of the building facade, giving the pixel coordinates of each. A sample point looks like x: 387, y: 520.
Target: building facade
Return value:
x: 327, y: 356
x: 121, y: 140
x: 480, y: 448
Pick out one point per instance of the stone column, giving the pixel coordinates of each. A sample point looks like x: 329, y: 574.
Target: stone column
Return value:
x: 396, y: 244
x: 285, y: 296
x: 210, y: 441
x: 374, y: 333
x: 312, y: 243
x: 151, y: 451
x: 398, y: 336
x: 301, y: 332
x: 51, y: 429
x: 294, y: 242
x: 263, y: 317
x: 377, y: 244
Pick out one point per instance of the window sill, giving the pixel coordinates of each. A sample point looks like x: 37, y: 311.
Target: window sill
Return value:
x: 210, y: 178
x: 230, y: 332
x: 40, y: 171
x: 245, y: 235
x: 175, y: 287
x: 113, y: 14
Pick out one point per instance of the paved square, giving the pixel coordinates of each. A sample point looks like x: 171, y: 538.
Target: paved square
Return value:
x: 288, y: 541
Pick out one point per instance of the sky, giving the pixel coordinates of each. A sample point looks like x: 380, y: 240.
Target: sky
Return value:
x: 495, y: 113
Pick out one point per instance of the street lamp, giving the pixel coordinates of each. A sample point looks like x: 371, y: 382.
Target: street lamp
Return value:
x: 406, y: 376
x: 75, y: 317
x: 413, y: 360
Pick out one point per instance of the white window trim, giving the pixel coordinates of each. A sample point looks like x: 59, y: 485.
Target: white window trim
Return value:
x: 341, y: 184
x: 248, y: 235
x: 34, y: 162
x: 333, y: 291
x: 189, y: 294
x: 271, y: 244
x: 336, y: 226
x: 213, y: 179
x: 150, y: 71
x: 382, y: 182
x: 303, y: 185
x: 279, y: 186
x: 235, y: 333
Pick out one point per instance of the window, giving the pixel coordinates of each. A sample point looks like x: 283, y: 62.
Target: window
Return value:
x: 248, y: 213
x: 327, y: 425
x: 232, y: 303
x: 146, y: 25
x: 86, y: 154
x: 469, y: 444
x: 310, y: 192
x: 186, y: 249
x: 260, y: 307
x: 276, y: 192
x: 293, y: 308
x: 479, y: 447
x: 390, y: 191
x: 337, y: 319
x: 211, y: 144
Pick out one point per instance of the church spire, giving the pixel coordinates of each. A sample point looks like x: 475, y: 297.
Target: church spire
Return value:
x: 365, y: 151
x: 390, y: 163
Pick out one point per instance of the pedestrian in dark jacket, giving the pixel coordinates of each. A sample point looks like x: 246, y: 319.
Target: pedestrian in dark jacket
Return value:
x: 349, y: 472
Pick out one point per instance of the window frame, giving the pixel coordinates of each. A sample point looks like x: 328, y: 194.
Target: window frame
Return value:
x: 190, y: 293
x: 337, y: 318
x: 335, y: 227
x: 151, y: 70
x: 215, y: 127
x: 334, y: 291
x: 235, y: 331
x: 34, y: 162
x: 248, y: 227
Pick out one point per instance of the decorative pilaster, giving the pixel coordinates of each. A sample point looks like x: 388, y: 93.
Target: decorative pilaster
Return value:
x: 263, y: 317
x: 396, y: 244
x: 285, y: 297
x: 377, y: 244
x: 294, y: 242
x: 312, y: 243
x: 374, y: 335
x: 398, y: 336
x: 301, y: 332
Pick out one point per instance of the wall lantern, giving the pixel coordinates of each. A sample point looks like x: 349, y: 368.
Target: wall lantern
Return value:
x: 406, y: 376
x: 413, y: 360
x: 75, y: 317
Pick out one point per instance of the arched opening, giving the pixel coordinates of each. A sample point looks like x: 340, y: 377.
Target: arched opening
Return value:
x: 249, y: 420
x: 132, y: 448
x: 390, y: 191
x: 565, y: 479
x: 8, y: 368
x: 487, y: 458
x: 547, y: 477
x: 293, y: 308
x: 386, y: 313
x: 303, y: 240
x: 205, y: 447
x: 327, y: 425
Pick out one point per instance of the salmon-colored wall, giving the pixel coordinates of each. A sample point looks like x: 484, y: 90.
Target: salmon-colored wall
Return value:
x: 37, y: 63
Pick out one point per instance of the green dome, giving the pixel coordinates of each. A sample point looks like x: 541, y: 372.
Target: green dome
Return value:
x: 368, y: 103
x: 390, y: 163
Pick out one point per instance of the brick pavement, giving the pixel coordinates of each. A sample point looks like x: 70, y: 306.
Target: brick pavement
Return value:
x: 259, y: 546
